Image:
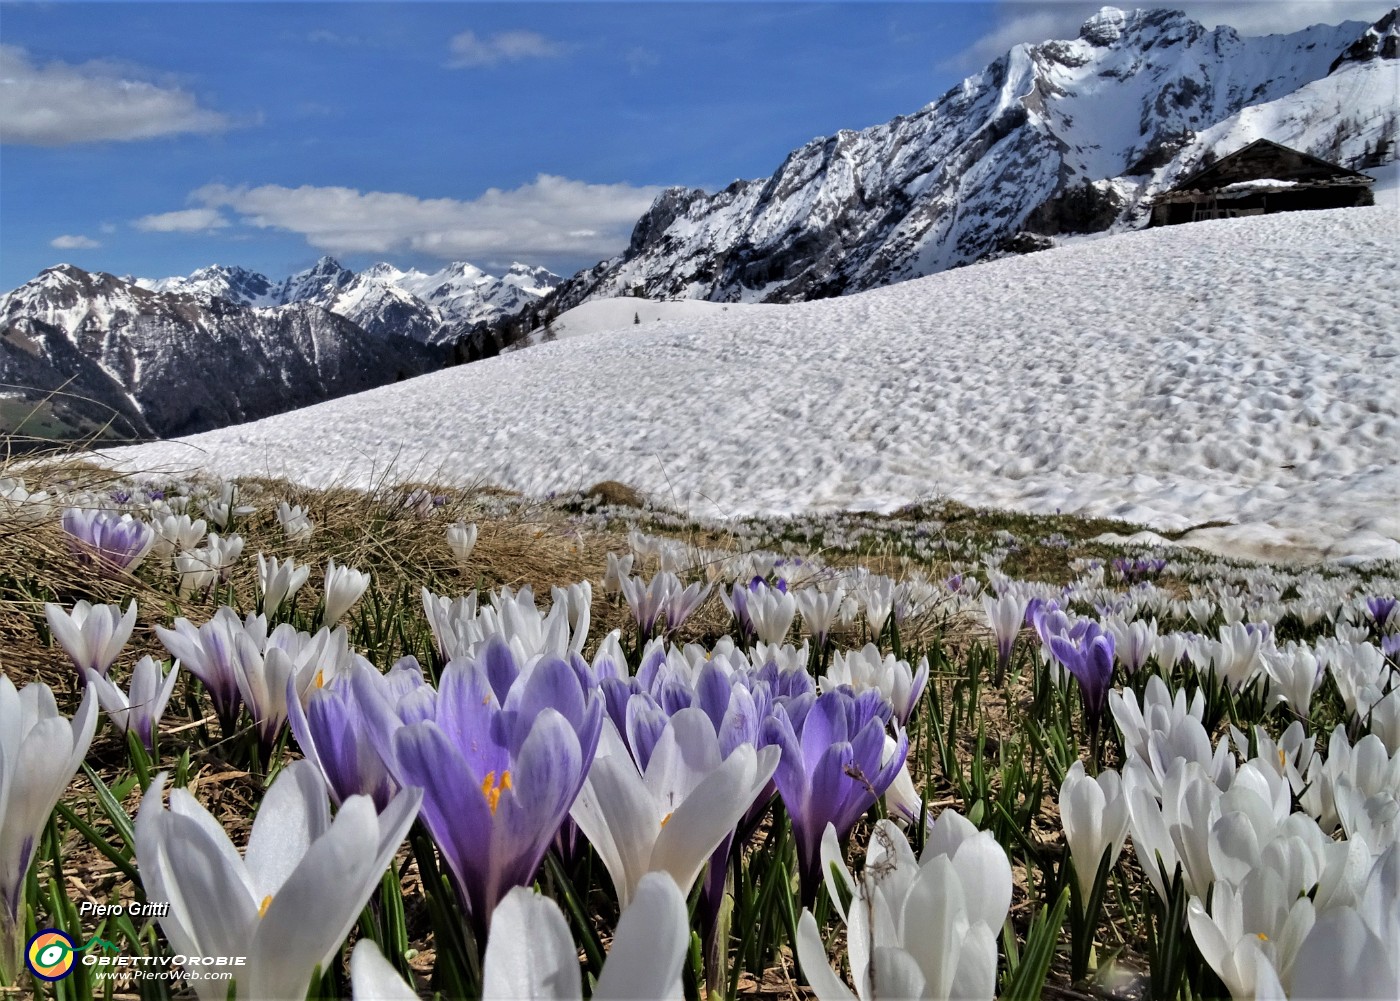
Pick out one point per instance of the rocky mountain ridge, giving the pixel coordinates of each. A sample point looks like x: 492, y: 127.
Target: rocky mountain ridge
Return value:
x: 1067, y: 136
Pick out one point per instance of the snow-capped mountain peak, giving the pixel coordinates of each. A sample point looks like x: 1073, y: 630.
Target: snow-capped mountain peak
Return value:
x: 1065, y: 136
x: 435, y: 308
x: 317, y: 284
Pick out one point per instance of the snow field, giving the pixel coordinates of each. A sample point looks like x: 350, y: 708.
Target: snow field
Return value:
x: 1241, y: 373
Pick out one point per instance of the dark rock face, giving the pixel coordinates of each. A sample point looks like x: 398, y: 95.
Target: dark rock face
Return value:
x: 1069, y: 136
x: 170, y: 364
x: 1381, y: 41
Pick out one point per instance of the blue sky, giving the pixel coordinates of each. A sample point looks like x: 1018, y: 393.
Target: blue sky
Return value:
x: 152, y: 139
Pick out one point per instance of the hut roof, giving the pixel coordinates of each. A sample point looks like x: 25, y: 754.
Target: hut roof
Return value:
x: 1263, y: 159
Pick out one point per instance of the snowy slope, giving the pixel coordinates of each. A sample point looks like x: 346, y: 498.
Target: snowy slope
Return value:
x: 1244, y: 371
x: 602, y: 315
x: 1066, y: 136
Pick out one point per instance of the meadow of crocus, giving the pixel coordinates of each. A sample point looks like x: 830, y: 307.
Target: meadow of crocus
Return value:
x: 253, y: 747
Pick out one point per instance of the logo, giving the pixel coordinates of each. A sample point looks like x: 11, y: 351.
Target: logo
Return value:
x: 50, y: 953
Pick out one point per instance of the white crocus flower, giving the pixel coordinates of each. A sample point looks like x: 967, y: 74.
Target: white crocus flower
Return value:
x: 176, y: 533
x: 461, y: 539
x: 876, y: 593
x: 1263, y: 915
x: 1166, y: 729
x: 1367, y: 765
x: 195, y: 572
x: 819, y: 610
x: 530, y: 955
x: 670, y: 817
x: 40, y: 751
x: 279, y: 581
x: 141, y: 709
x: 1290, y: 756
x: 865, y: 668
x: 344, y: 587
x: 903, y: 802
x: 619, y: 569
x: 1094, y: 812
x: 222, y: 552
x: 1133, y: 642
x: 92, y: 635
x: 1176, y: 827
x: 296, y: 523
x: 923, y: 928
x: 1169, y: 648
x: 1294, y: 675
x: 288, y: 902
x: 771, y: 611
x: 1351, y: 952
x: 1005, y: 614
x: 220, y: 512
x: 372, y: 978
x: 19, y: 506
x: 1237, y: 657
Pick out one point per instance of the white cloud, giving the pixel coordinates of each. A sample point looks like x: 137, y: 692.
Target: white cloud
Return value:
x: 183, y: 221
x: 60, y: 103
x: 639, y: 60
x: 1046, y: 19
x: 470, y: 51
x: 1028, y: 25
x: 74, y: 243
x: 548, y: 217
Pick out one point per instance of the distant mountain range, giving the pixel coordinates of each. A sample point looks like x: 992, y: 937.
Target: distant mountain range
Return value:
x: 1069, y: 136
x: 437, y: 308
x: 91, y: 354
x: 89, y: 349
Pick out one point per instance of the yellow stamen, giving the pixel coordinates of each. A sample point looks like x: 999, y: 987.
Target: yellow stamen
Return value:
x: 320, y: 679
x: 666, y: 819
x: 267, y: 902
x: 1282, y: 759
x: 493, y: 789
x: 1263, y: 937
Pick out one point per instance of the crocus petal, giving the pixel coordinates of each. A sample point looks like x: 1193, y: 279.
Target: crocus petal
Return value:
x: 294, y: 813
x: 811, y: 957
x: 709, y: 814
x: 530, y: 953
x: 648, y: 948
x: 372, y: 978
x: 618, y: 817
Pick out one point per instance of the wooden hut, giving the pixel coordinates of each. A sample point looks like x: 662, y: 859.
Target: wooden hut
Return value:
x: 1260, y: 178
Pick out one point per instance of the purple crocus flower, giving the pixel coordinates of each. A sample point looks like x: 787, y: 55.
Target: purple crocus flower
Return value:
x: 1380, y: 608
x: 500, y: 755
x: 114, y: 543
x: 1089, y: 657
x: 333, y: 731
x: 215, y: 654
x: 831, y: 770
x: 736, y: 599
x: 139, y: 710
